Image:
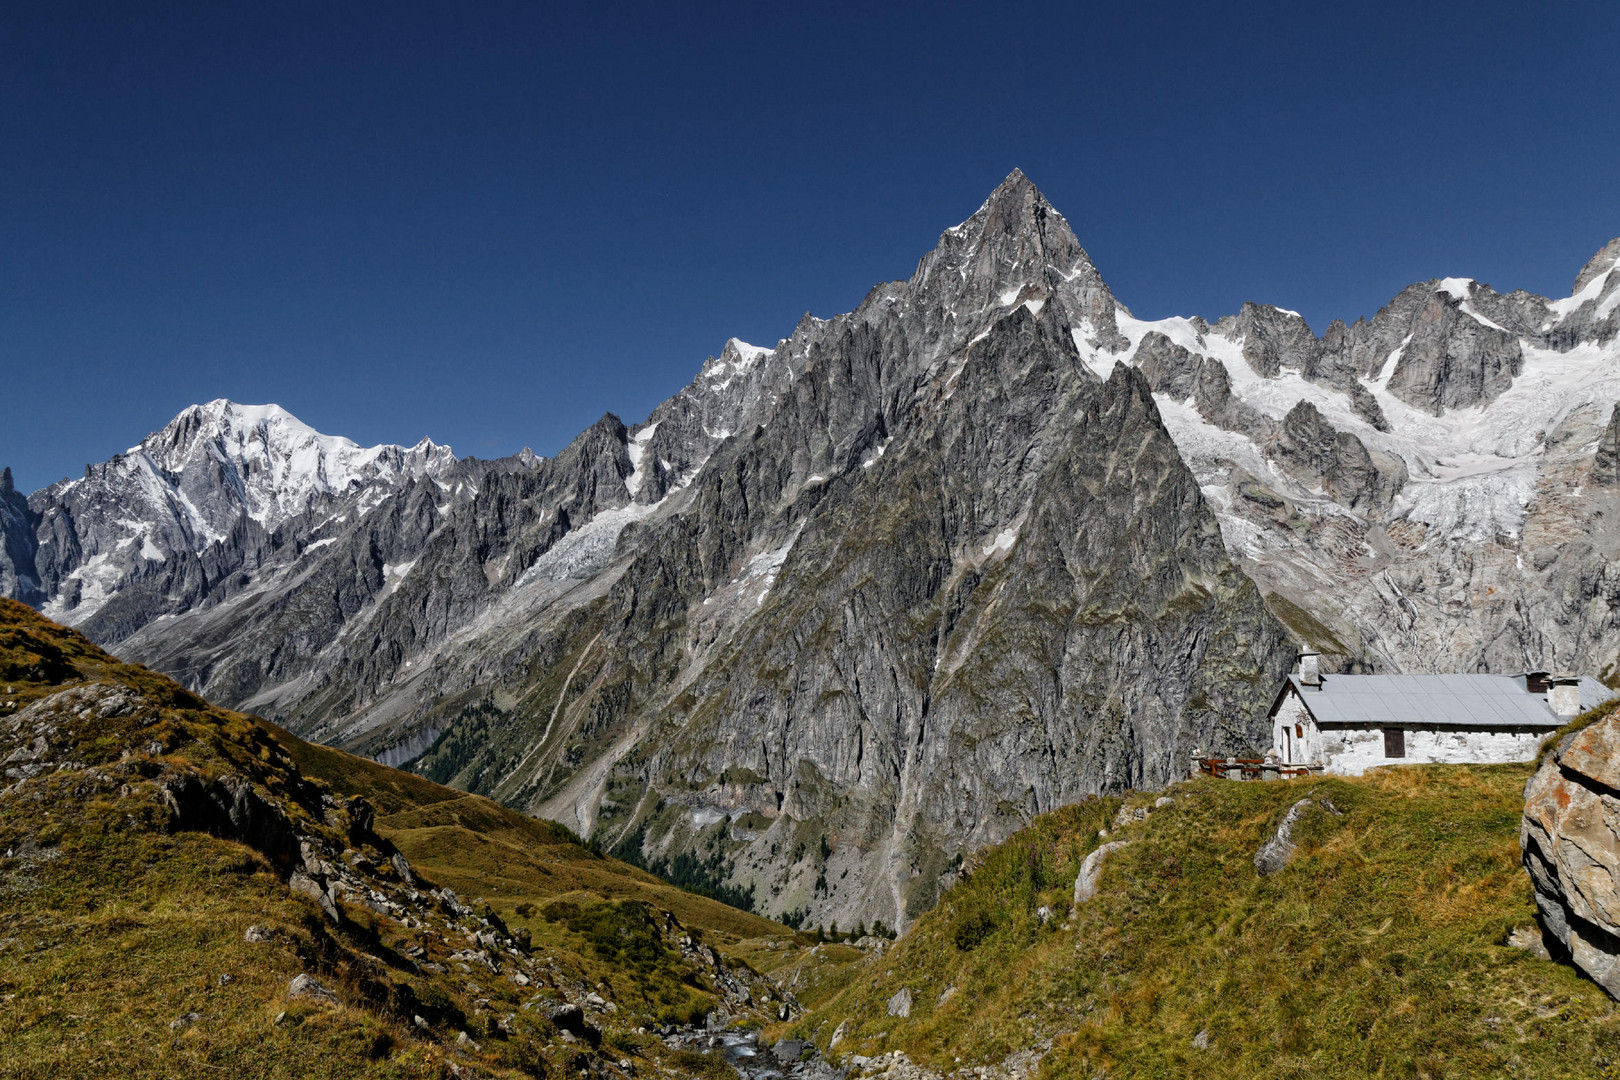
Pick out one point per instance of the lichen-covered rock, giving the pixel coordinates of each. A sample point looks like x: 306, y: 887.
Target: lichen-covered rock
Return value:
x: 1570, y: 837
x: 1279, y: 851
x: 1085, y: 883
x: 307, y: 986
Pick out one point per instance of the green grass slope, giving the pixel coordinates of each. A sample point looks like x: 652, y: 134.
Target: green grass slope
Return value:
x: 125, y: 897
x: 1379, y: 951
x: 480, y: 848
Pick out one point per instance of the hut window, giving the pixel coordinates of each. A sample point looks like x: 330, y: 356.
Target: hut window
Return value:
x: 1299, y: 731
x: 1394, y: 742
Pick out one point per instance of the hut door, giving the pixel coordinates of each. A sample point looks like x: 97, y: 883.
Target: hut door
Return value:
x: 1287, y: 745
x: 1394, y: 742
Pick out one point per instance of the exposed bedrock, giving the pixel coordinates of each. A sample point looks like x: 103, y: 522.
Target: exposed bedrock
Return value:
x: 1274, y: 339
x: 1570, y: 838
x: 1454, y: 360
x: 18, y: 577
x: 1315, y: 452
x: 1606, y: 465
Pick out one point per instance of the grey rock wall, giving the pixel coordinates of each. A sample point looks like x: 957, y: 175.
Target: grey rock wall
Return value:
x: 18, y: 577
x: 1314, y: 451
x: 1606, y: 463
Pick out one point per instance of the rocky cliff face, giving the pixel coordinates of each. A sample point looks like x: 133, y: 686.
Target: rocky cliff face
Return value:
x: 18, y: 577
x: 1430, y: 490
x: 930, y: 575
x: 846, y: 608
x: 1572, y: 848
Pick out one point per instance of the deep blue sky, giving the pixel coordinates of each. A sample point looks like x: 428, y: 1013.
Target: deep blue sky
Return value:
x: 491, y: 223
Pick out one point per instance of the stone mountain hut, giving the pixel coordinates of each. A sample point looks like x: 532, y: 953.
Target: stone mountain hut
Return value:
x: 1346, y: 724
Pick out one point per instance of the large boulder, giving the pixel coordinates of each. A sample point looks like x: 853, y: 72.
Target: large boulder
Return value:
x: 1570, y: 837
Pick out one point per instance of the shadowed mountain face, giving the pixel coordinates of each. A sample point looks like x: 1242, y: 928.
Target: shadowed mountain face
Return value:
x: 846, y: 609
x: 839, y: 613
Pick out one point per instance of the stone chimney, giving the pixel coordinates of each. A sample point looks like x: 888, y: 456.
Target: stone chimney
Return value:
x: 1310, y: 669
x: 1565, y: 695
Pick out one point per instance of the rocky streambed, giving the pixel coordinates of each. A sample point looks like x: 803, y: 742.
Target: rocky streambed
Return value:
x: 790, y: 1059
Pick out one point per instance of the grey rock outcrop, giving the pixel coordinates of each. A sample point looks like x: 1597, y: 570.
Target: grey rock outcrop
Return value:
x: 1279, y: 850
x: 1085, y: 883
x: 18, y: 577
x: 1272, y: 339
x: 1313, y: 450
x: 1016, y: 241
x: 1177, y: 373
x: 307, y: 986
x: 1453, y: 359
x: 1366, y: 406
x: 1606, y: 464
x: 1597, y: 266
x: 1170, y: 369
x: 1593, y: 314
x: 1571, y: 847
x: 1212, y: 394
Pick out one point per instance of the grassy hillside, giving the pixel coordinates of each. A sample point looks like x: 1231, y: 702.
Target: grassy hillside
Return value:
x: 480, y: 848
x: 142, y: 833
x: 1378, y: 951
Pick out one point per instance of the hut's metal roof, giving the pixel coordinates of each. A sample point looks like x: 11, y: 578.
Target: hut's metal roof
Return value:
x: 1593, y: 693
x: 1464, y: 701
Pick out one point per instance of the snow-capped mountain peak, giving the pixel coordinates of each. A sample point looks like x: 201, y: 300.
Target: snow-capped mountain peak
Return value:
x: 212, y: 470
x: 277, y: 464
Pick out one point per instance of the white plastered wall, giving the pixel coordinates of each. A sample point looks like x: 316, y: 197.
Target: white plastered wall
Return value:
x: 1352, y: 751
x: 1293, y: 732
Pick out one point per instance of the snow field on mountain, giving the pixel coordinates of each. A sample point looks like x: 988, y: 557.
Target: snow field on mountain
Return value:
x: 1472, y: 471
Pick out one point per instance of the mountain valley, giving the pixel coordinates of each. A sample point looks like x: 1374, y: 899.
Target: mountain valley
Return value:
x: 185, y: 889
x: 846, y: 610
